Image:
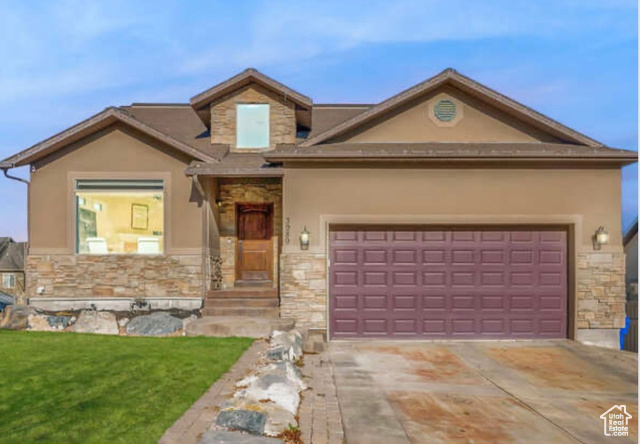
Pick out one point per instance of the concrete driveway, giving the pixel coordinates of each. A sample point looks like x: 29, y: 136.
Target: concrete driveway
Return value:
x: 481, y: 392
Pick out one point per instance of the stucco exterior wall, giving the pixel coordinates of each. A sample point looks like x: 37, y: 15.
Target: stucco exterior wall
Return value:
x: 282, y: 118
x: 477, y: 122
x: 121, y: 151
x: 582, y: 199
x: 116, y: 152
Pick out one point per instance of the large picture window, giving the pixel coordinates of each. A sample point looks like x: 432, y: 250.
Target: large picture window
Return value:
x: 252, y: 126
x: 119, y: 216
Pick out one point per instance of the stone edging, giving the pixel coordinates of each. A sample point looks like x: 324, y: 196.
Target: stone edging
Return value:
x: 189, y: 428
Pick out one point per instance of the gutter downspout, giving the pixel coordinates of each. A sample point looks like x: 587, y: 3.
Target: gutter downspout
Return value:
x: 5, y: 170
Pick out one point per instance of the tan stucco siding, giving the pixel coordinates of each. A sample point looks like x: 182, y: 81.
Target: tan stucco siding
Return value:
x: 590, y: 198
x: 476, y: 122
x: 116, y: 151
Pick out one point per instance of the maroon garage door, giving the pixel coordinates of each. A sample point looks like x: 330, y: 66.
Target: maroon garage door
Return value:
x: 448, y: 284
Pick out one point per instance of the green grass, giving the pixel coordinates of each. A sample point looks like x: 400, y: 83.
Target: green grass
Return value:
x: 75, y: 388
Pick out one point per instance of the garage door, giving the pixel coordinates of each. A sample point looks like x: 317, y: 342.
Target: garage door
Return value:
x: 399, y: 283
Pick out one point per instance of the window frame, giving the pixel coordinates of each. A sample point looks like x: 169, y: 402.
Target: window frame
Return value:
x: 12, y: 278
x: 243, y: 148
x: 116, y: 177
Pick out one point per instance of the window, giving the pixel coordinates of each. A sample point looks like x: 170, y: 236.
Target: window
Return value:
x: 119, y: 216
x: 252, y: 126
x: 9, y: 280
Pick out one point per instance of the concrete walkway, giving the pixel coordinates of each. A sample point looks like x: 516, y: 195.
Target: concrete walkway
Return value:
x: 493, y: 392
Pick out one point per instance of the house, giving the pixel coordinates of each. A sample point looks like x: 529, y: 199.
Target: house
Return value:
x: 12, y: 266
x: 630, y: 243
x: 446, y: 211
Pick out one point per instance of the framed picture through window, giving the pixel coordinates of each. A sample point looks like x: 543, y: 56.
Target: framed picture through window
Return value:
x: 139, y: 216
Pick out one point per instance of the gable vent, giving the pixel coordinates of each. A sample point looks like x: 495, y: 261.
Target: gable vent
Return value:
x: 445, y: 110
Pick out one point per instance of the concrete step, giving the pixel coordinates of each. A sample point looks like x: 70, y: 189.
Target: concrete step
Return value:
x: 227, y: 326
x: 241, y: 302
x: 245, y: 292
x: 265, y: 312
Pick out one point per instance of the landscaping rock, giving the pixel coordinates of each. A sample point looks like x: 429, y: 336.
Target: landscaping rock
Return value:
x: 38, y: 322
x: 123, y: 322
x: 156, y: 324
x: 225, y: 437
x: 72, y: 320
x: 15, y: 317
x: 244, y: 420
x: 285, y: 345
x: 99, y: 322
x: 278, y: 419
x: 314, y: 342
x: 58, y: 322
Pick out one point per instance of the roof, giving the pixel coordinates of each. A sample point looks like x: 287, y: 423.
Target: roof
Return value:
x: 449, y: 151
x: 95, y: 123
x: 237, y: 165
x: 329, y: 115
x: 11, y: 254
x: 631, y: 233
x: 454, y: 78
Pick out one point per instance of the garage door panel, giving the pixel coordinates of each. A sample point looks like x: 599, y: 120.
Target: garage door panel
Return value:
x: 448, y: 284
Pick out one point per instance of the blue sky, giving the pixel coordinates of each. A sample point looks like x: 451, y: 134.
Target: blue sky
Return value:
x: 573, y: 60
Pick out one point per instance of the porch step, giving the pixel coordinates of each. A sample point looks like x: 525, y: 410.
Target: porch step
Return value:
x: 244, y: 292
x: 263, y: 312
x: 225, y: 326
x: 240, y: 302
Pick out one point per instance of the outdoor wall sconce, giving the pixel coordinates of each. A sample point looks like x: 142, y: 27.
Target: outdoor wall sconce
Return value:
x: 219, y: 203
x: 304, y: 239
x: 600, y: 238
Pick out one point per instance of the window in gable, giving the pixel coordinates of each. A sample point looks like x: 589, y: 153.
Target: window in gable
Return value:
x: 252, y: 126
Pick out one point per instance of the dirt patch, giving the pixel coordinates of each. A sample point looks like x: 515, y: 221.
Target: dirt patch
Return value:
x: 446, y: 418
x: 437, y: 364
x: 551, y: 367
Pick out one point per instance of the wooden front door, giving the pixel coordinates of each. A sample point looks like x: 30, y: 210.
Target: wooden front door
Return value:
x: 254, y: 263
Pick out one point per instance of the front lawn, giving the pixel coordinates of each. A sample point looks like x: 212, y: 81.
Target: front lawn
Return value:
x: 75, y: 388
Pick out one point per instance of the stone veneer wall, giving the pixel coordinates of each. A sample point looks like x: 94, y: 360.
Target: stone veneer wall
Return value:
x: 600, y: 290
x: 303, y: 288
x: 282, y: 116
x: 87, y: 276
x: 247, y: 190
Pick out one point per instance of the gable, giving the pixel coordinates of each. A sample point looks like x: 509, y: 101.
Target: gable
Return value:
x: 450, y: 77
x: 474, y: 121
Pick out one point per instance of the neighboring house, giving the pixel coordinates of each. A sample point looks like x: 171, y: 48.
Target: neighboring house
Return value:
x: 445, y: 211
x: 12, y: 266
x: 630, y: 242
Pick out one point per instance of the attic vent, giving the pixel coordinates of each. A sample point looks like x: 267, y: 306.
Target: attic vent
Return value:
x: 445, y: 110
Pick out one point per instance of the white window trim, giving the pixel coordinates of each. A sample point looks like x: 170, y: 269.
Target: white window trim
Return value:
x: 11, y: 277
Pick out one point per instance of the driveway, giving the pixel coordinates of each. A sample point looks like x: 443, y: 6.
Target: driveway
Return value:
x: 477, y: 392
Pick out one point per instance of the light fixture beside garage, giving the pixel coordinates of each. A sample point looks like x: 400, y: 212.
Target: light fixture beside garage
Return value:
x: 600, y: 238
x: 304, y: 239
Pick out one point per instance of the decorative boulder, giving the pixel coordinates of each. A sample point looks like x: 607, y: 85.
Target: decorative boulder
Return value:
x: 285, y: 346
x: 123, y: 322
x: 155, y: 324
x: 58, y: 322
x: 248, y: 421
x: 99, y: 322
x: 15, y: 317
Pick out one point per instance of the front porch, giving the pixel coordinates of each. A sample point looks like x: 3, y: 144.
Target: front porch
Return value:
x: 246, y: 231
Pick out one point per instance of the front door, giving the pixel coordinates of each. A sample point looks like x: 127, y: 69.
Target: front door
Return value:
x: 255, y: 248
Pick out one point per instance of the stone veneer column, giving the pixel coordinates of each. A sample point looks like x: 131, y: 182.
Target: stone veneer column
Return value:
x: 600, y: 297
x: 135, y: 276
x: 303, y: 288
